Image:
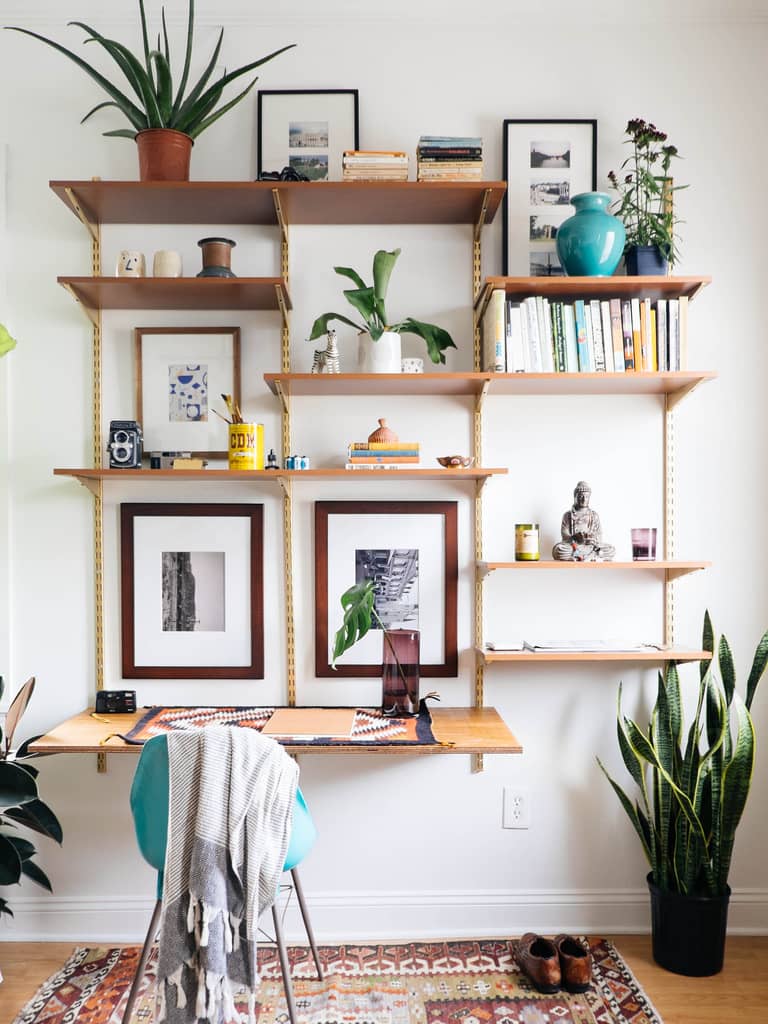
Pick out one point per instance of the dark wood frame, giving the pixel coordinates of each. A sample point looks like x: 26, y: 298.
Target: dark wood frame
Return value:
x: 138, y: 342
x: 301, y: 92
x: 505, y: 152
x: 324, y: 509
x: 254, y: 670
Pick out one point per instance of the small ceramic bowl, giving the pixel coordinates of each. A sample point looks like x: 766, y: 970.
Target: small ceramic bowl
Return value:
x: 452, y: 461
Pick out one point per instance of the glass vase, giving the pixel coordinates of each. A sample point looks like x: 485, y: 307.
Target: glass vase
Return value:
x: 400, y: 672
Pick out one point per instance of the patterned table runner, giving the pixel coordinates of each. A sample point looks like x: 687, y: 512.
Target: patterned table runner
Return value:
x: 370, y: 727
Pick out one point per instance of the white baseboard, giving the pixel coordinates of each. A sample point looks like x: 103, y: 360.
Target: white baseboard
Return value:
x: 365, y: 916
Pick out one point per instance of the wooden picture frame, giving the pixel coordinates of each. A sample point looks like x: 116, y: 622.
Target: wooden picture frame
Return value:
x: 545, y: 162
x: 346, y: 532
x: 175, y: 365
x: 192, y: 601
x: 332, y: 114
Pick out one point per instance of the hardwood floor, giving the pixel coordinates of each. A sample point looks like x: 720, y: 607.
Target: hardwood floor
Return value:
x: 739, y: 993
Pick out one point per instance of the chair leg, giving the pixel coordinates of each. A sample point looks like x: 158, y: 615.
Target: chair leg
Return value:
x: 305, y: 918
x: 151, y: 932
x: 284, y: 965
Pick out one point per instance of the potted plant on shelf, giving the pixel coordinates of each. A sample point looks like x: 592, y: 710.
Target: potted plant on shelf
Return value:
x: 380, y: 348
x: 164, y: 124
x: 645, y: 204
x: 20, y: 805
x: 400, y: 669
x: 6, y: 341
x: 691, y: 798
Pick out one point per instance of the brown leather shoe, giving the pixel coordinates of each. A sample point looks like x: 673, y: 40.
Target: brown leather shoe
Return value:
x: 539, y: 960
x: 575, y: 963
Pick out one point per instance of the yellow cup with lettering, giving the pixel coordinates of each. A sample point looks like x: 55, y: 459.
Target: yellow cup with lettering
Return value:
x: 246, y: 446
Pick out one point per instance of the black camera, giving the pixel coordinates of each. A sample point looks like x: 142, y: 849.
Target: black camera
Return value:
x: 125, y: 444
x: 115, y: 702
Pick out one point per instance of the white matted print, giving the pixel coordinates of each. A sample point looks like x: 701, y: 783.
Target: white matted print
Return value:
x: 546, y: 163
x: 192, y: 603
x: 306, y: 131
x: 181, y: 373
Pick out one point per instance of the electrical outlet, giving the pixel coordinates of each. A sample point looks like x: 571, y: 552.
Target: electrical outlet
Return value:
x: 517, y: 808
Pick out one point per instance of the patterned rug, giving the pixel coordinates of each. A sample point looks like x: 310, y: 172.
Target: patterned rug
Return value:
x: 471, y: 982
x: 370, y: 726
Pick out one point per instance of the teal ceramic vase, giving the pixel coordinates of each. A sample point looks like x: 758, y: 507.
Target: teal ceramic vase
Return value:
x: 590, y: 243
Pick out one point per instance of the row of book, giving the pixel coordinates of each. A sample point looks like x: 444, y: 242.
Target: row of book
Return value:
x: 537, y: 335
x: 449, y: 158
x: 374, y: 165
x: 382, y: 454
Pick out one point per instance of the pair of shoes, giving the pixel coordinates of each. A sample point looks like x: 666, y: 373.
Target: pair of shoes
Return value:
x: 550, y: 964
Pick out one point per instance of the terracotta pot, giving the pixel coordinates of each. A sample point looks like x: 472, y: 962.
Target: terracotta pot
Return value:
x: 163, y: 154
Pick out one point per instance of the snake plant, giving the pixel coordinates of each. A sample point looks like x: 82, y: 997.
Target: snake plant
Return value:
x: 20, y: 805
x: 692, y: 796
x: 156, y: 105
x: 369, y: 303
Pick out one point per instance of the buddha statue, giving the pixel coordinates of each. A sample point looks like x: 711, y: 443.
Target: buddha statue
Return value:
x: 581, y: 532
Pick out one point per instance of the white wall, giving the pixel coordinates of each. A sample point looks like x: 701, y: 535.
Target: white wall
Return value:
x: 408, y: 847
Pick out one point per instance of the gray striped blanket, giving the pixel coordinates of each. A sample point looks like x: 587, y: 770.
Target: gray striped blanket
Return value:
x: 232, y: 794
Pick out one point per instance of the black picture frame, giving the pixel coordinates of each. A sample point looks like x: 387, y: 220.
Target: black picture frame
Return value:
x: 339, y: 109
x: 526, y: 178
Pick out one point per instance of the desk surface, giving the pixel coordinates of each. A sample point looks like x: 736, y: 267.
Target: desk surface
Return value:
x: 471, y: 730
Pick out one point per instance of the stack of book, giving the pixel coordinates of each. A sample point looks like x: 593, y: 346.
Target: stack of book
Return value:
x: 374, y: 165
x: 447, y: 158
x: 536, y: 335
x: 382, y: 454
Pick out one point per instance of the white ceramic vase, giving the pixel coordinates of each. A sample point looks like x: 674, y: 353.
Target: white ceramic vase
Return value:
x: 382, y: 356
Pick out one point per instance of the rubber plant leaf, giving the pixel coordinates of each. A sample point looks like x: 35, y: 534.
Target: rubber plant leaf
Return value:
x: 24, y: 848
x: 16, y: 785
x: 10, y: 862
x: 320, y: 326
x: 18, y: 706
x: 38, y: 817
x: 436, y: 338
x: 36, y: 874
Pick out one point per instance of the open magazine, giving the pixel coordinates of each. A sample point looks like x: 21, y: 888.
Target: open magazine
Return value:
x: 564, y: 646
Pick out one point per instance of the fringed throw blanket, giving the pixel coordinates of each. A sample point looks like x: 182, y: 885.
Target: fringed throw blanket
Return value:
x: 232, y: 793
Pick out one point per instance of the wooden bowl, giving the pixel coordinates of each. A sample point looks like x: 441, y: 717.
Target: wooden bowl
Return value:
x: 455, y: 461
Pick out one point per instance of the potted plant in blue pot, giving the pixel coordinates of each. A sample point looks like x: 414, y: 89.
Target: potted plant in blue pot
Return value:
x: 692, y: 788
x: 645, y: 203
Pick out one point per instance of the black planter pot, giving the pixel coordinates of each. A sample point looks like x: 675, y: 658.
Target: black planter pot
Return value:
x: 645, y: 260
x: 688, y: 931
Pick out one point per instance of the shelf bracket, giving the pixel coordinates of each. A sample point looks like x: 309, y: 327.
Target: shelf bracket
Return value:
x: 90, y: 226
x: 483, y: 569
x: 286, y: 484
x: 480, y: 222
x: 92, y: 314
x: 283, y: 396
x: 482, y: 298
x: 282, y: 304
x: 675, y: 397
x: 280, y: 215
x: 94, y: 486
x: 480, y: 399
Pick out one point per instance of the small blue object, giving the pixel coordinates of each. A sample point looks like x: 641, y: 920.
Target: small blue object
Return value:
x: 590, y: 243
x: 290, y: 462
x: 304, y: 462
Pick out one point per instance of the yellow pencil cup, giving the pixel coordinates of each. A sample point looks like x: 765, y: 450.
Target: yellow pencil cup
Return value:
x: 246, y: 446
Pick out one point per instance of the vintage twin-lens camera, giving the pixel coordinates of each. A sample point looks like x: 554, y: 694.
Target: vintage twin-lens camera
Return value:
x: 125, y: 444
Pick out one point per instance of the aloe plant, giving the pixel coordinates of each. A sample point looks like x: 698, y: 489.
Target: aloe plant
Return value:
x: 692, y: 796
x: 156, y: 104
x: 20, y: 805
x: 369, y: 301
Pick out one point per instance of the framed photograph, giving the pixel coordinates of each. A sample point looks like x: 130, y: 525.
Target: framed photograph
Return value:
x: 192, y: 591
x: 181, y: 373
x: 410, y: 548
x: 306, y: 130
x: 545, y: 163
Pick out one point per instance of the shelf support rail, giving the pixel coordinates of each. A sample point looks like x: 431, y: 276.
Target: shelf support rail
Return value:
x: 669, y: 516
x: 477, y: 451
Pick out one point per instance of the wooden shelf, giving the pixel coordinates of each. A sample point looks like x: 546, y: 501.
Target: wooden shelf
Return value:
x: 618, y: 287
x: 470, y: 730
x: 672, y: 568
x: 490, y: 657
x: 272, y: 475
x: 253, y: 202
x: 443, y: 383
x: 178, y: 292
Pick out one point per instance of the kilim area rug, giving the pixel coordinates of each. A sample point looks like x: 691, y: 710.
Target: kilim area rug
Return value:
x: 470, y: 982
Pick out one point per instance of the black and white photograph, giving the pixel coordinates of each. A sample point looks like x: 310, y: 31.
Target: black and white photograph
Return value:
x: 546, y: 163
x: 550, y: 154
x: 410, y: 550
x: 552, y: 192
x: 193, y: 591
x: 306, y: 130
x: 180, y: 372
x: 395, y: 573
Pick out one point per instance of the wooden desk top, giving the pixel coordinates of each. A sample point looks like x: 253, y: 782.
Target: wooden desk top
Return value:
x: 471, y: 730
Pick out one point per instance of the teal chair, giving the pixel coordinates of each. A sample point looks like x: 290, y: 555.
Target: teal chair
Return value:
x: 149, y: 805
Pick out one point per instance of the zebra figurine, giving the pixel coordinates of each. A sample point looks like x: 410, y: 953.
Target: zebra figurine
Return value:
x: 327, y: 360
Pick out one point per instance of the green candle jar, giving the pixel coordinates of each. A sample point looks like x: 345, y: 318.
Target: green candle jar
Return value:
x: 526, y: 542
